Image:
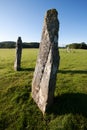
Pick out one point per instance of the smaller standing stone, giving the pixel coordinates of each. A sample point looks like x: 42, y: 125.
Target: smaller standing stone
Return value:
x: 17, y: 64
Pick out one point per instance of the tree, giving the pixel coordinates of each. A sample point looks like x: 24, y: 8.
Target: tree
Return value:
x: 81, y: 45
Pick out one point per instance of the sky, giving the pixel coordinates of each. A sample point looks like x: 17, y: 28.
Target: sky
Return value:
x: 25, y: 18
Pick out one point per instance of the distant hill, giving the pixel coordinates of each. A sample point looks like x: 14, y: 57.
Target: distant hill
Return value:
x: 12, y: 44
x: 7, y: 44
x: 81, y: 45
x: 30, y: 45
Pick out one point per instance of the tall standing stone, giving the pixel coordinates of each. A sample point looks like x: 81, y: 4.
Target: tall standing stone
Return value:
x: 17, y: 64
x: 44, y: 80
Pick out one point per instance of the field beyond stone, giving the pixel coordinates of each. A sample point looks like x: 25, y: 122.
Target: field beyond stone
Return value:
x: 17, y: 108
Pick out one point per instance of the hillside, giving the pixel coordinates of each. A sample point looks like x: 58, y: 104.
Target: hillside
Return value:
x: 12, y: 44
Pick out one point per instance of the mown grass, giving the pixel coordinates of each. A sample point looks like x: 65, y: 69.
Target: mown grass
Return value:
x: 17, y: 108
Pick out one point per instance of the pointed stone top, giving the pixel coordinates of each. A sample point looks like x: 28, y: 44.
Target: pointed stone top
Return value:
x: 51, y: 12
x: 19, y: 39
x: 51, y: 16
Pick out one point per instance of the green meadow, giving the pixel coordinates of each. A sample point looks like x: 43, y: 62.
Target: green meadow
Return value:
x: 18, y: 111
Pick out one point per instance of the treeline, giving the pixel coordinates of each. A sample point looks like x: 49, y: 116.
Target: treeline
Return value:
x: 81, y: 45
x: 11, y: 44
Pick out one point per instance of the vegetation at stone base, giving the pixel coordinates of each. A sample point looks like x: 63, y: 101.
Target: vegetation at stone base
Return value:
x: 17, y: 109
x: 12, y: 44
x: 81, y: 45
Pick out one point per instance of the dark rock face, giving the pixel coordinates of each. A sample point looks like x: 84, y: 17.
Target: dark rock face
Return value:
x: 17, y: 63
x: 44, y: 81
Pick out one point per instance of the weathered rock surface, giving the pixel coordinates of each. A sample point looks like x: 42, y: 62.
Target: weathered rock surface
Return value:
x: 44, y: 80
x: 17, y: 64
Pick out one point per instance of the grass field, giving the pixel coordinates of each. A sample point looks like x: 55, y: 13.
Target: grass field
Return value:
x: 17, y: 109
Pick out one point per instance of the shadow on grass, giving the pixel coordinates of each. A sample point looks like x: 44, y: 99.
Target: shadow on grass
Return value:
x: 75, y: 103
x: 73, y: 71
x: 27, y: 69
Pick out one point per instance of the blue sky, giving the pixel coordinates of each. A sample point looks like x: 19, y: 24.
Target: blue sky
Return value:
x: 25, y: 18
